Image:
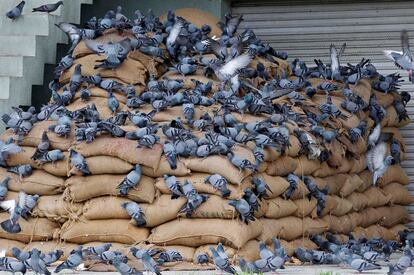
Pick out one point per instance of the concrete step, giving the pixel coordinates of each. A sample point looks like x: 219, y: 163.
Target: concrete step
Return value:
x: 7, y: 5
x: 30, y: 24
x: 18, y: 45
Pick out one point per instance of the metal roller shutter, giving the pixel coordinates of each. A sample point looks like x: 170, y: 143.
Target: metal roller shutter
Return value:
x: 305, y: 30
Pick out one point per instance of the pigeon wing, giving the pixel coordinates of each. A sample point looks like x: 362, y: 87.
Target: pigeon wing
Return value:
x: 405, y: 44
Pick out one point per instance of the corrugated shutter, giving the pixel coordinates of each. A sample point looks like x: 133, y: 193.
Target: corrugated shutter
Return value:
x: 305, y: 30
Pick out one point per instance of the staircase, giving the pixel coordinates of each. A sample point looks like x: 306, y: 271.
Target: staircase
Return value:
x: 26, y: 44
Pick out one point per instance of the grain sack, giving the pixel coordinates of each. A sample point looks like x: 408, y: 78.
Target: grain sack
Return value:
x: 214, y: 207
x: 39, y: 182
x: 343, y: 206
x: 7, y: 245
x: 172, y: 113
x: 121, y: 231
x: 122, y: 148
x: 350, y: 183
x: 217, y: 164
x: 100, y: 103
x: 301, y: 242
x: 392, y: 215
x: 165, y: 168
x: 398, y: 194
x: 197, y: 180
x: 396, y: 229
x: 370, y: 216
x: 279, y: 208
x: 98, y: 92
x: 80, y: 188
x: 282, y: 166
x: 360, y: 165
x: 59, y: 168
x: 359, y: 201
x: 205, y: 249
x: 376, y: 231
x: 130, y: 71
x: 34, y: 229
x: 330, y: 205
x: 391, y: 119
x: 197, y: 232
x: 304, y: 207
x: 277, y: 185
x: 366, y: 177
x: 357, y: 148
x: 106, y: 207
x: 56, y: 209
x: 394, y: 173
x: 33, y: 138
x: 300, y: 192
x: 376, y: 197
x: 104, y: 165
x: 344, y: 224
x: 306, y: 166
x: 50, y: 246
x: 153, y: 65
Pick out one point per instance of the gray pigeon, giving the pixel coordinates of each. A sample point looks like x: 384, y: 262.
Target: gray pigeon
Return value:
x: 23, y: 170
x: 123, y: 268
x: 4, y: 188
x: 12, y: 265
x: 244, y: 209
x: 219, y: 183
x: 27, y: 203
x: 171, y: 154
x: 221, y: 263
x: 48, y: 7
x: 130, y: 181
x: 79, y: 162
x: 20, y: 254
x: 98, y: 250
x: 16, y: 11
x: 72, y: 262
x: 52, y: 257
x: 135, y: 212
x: 174, y: 186
x: 37, y: 264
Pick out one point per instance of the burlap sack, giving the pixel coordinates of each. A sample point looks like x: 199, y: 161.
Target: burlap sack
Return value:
x: 294, y: 148
x: 197, y: 232
x: 56, y: 209
x: 121, y: 231
x: 173, y: 112
x: 357, y: 148
x: 165, y: 168
x: 343, y: 206
x: 394, y: 173
x: 392, y: 215
x: 50, y: 246
x: 366, y: 177
x: 326, y: 170
x: 197, y: 180
x: 34, y: 229
x: 383, y: 99
x: 351, y: 183
x: 153, y: 65
x: 304, y: 207
x: 306, y: 166
x: 205, y: 249
x: 337, y: 154
x: 59, y: 168
x: 301, y: 242
x: 300, y: 192
x: 101, y: 104
x: 344, y: 224
x: 376, y: 231
x: 7, y: 245
x: 370, y: 216
x: 330, y: 205
x: 80, y: 189
x: 376, y: 197
x: 279, y: 208
x: 122, y: 148
x: 98, y: 92
x: 359, y: 201
x: 277, y: 185
x: 214, y: 207
x: 34, y: 137
x: 129, y: 72
x: 39, y: 182
x: 398, y: 228
x: 104, y: 165
x: 106, y: 207
x: 282, y: 166
x: 360, y: 165
x: 391, y: 119
x: 397, y: 135
x: 398, y: 193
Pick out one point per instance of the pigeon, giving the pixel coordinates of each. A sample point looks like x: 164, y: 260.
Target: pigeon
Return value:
x: 48, y: 7
x: 37, y: 264
x: 221, y: 263
x: 4, y: 188
x: 174, y: 186
x: 219, y: 183
x: 244, y: 210
x: 171, y: 154
x: 135, y: 212
x: 16, y: 11
x: 27, y: 203
x: 202, y: 258
x: 12, y: 265
x: 378, y: 162
x: 194, y: 200
x: 12, y: 225
x: 20, y: 254
x: 169, y: 256
x: 260, y: 188
x: 52, y: 257
x: 130, y: 181
x: 98, y: 250
x: 79, y: 162
x: 123, y: 268
x: 72, y: 262
x: 23, y: 170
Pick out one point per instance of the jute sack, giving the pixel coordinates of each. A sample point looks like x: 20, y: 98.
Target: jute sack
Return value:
x: 326, y: 170
x: 282, y: 166
x: 330, y: 205
x: 104, y: 165
x: 197, y: 180
x: 294, y: 148
x: 7, y: 245
x: 392, y: 215
x: 205, y: 249
x: 343, y: 206
x: 56, y: 209
x: 277, y: 185
x: 360, y: 165
x: 397, y: 135
x: 197, y: 232
x: 304, y: 207
x: 98, y: 92
x: 250, y: 251
x: 344, y: 224
x: 350, y: 184
x: 187, y: 80
x: 376, y: 231
x: 153, y: 65
x: 80, y: 188
x: 337, y: 153
x: 101, y: 104
x: 357, y: 148
x: 398, y: 228
x: 34, y: 229
x: 162, y: 210
x: 394, y: 173
x: 383, y: 99
x: 333, y: 183
x: 115, y: 230
x: 359, y: 232
x: 39, y: 182
x: 279, y: 208
x: 376, y: 197
x: 34, y: 137
x: 366, y: 177
x: 370, y: 216
x: 300, y: 192
x: 306, y: 166
x: 173, y: 112
x: 301, y: 242
x: 165, y: 168
x: 398, y: 193
x: 122, y: 148
x: 50, y: 246
x: 391, y: 119
x: 130, y: 71
x: 359, y: 201
x: 217, y: 164
x: 214, y: 207
x: 59, y: 168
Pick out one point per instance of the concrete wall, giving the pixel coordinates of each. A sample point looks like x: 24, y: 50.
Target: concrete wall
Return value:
x: 216, y: 7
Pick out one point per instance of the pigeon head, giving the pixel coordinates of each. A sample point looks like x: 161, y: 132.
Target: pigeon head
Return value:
x: 388, y: 160
x: 248, y: 98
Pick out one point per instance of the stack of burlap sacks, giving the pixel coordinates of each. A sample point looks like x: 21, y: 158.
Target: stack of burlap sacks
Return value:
x: 75, y: 209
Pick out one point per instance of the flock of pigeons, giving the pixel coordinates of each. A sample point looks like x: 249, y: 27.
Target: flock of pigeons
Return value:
x: 183, y: 46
